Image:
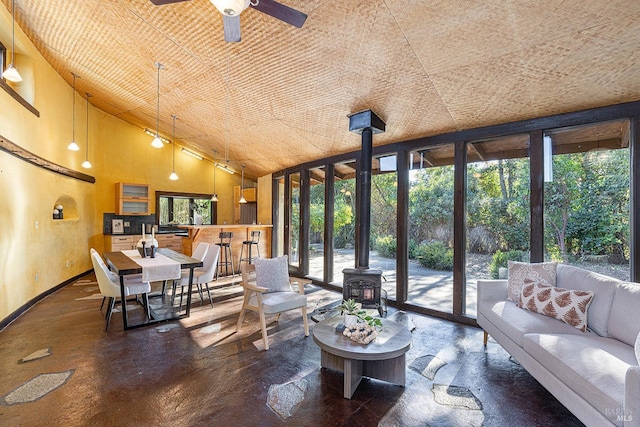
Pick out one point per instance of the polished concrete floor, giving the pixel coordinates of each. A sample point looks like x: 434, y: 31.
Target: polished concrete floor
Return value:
x: 59, y: 367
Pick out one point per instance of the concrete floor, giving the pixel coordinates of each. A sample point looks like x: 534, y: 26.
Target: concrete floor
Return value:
x: 200, y: 371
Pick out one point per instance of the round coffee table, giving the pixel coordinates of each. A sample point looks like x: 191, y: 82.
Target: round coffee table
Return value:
x: 382, y: 359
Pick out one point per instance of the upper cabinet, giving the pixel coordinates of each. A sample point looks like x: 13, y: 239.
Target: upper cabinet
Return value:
x: 250, y: 194
x: 132, y: 199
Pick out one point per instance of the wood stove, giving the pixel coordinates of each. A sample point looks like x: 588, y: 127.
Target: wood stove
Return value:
x: 363, y: 286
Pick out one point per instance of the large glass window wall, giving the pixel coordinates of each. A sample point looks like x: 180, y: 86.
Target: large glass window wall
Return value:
x: 493, y: 189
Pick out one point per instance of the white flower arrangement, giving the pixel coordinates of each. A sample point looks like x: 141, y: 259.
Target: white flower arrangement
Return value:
x: 362, y: 333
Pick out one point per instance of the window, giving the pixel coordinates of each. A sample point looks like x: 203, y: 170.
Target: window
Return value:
x: 316, y: 223
x: 431, y: 228
x: 184, y: 209
x: 497, y: 218
x: 586, y: 198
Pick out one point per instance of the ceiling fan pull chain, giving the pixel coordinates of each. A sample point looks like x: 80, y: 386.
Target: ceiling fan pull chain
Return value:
x: 254, y: 3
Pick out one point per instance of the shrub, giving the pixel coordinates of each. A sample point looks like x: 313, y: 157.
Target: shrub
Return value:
x: 413, y: 247
x: 435, y: 255
x: 386, y: 246
x: 500, y: 260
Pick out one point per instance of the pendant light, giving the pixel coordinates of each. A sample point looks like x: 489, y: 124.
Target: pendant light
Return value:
x: 86, y: 164
x: 157, y: 142
x: 242, y: 199
x: 214, y: 198
x: 174, y: 175
x: 11, y: 73
x: 73, y: 146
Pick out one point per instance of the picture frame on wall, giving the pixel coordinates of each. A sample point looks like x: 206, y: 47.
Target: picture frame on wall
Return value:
x: 117, y: 226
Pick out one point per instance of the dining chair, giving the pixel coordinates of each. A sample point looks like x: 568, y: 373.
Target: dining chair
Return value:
x: 268, y: 291
x: 199, y: 253
x: 201, y: 275
x: 109, y: 284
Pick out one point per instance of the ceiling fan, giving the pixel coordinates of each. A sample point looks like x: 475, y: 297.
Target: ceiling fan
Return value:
x: 231, y: 10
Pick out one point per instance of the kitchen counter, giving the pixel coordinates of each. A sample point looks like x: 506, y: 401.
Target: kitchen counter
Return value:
x: 241, y: 232
x: 133, y: 233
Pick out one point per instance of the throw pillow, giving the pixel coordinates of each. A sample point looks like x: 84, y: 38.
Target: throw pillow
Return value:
x: 563, y: 304
x: 521, y: 273
x: 637, y: 348
x: 273, y: 274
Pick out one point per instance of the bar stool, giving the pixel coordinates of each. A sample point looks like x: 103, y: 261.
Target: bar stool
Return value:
x: 255, y: 239
x: 226, y: 254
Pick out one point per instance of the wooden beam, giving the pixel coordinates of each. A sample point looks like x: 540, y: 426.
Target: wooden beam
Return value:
x: 29, y: 157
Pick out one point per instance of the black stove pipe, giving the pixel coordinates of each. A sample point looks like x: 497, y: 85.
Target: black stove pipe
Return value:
x: 364, y: 202
x: 366, y: 123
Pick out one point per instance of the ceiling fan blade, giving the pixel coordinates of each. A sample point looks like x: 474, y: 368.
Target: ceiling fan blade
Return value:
x: 281, y: 12
x: 231, y: 28
x: 161, y: 2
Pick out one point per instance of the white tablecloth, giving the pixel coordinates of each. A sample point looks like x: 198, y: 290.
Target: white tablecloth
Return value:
x: 155, y: 269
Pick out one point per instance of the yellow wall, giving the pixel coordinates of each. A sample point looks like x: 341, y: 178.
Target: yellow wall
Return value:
x: 33, y: 260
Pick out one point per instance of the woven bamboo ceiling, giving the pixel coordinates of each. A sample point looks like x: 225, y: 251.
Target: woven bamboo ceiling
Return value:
x: 281, y: 96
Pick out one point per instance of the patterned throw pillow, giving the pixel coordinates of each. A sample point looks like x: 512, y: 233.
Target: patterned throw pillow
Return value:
x: 521, y: 273
x: 563, y: 304
x: 273, y: 273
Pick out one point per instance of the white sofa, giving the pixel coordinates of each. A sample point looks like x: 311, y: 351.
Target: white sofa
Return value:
x: 595, y: 374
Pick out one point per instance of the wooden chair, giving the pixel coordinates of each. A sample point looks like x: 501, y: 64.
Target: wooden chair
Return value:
x: 263, y: 302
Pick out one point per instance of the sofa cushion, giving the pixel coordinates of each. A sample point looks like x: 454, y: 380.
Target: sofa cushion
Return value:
x: 273, y: 274
x: 636, y: 348
x: 521, y: 273
x: 515, y: 322
x: 603, y: 287
x: 592, y: 366
x: 624, y: 321
x: 562, y: 304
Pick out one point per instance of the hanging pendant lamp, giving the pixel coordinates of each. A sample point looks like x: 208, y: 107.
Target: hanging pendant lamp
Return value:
x: 73, y: 146
x: 242, y: 199
x: 86, y: 164
x: 174, y: 175
x: 157, y: 142
x: 214, y: 198
x: 11, y: 73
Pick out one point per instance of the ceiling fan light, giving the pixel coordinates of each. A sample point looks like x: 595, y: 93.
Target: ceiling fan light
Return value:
x: 12, y: 74
x: 230, y: 7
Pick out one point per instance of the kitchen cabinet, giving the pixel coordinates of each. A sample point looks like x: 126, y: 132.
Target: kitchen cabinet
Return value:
x: 115, y: 243
x: 120, y: 243
x: 132, y: 199
x: 169, y: 241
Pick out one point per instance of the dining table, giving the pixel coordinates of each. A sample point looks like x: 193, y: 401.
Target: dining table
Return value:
x: 162, y: 267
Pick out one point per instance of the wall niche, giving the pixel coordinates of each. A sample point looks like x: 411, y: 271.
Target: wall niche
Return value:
x: 65, y: 208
